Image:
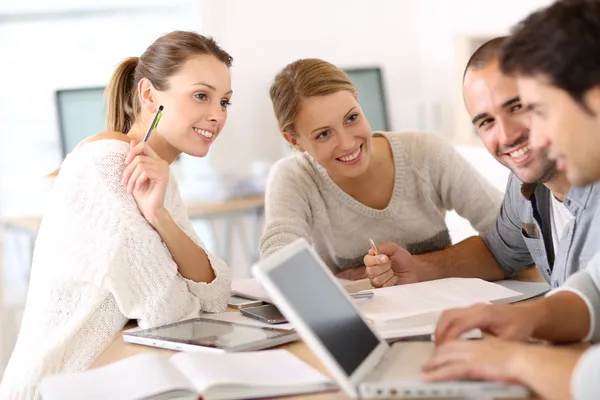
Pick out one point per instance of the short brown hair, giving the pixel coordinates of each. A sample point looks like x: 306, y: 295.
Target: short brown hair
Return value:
x: 304, y: 78
x: 485, y: 54
x: 560, y: 42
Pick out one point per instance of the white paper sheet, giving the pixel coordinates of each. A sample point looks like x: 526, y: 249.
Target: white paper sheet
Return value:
x: 403, y: 301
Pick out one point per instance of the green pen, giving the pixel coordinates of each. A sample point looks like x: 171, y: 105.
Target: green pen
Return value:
x: 154, y: 123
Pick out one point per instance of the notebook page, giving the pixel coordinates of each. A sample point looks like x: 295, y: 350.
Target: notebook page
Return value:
x: 135, y: 377
x: 424, y: 297
x: 249, y: 288
x: 257, y: 368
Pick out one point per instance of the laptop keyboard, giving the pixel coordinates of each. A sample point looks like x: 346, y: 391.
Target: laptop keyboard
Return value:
x: 399, y: 375
x: 403, y: 361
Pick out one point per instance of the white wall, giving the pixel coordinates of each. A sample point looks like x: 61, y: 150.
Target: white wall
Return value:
x: 442, y: 28
x: 263, y: 36
x: 65, y: 45
x: 47, y: 50
x: 412, y: 40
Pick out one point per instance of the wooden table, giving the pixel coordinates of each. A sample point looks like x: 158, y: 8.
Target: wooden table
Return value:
x: 119, y: 349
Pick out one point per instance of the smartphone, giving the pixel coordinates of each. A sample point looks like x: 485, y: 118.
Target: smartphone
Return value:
x: 239, y: 302
x: 267, y: 313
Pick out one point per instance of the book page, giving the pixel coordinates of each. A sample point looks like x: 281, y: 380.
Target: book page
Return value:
x: 249, y: 288
x: 413, y: 299
x: 135, y: 377
x: 248, y: 369
x: 528, y: 289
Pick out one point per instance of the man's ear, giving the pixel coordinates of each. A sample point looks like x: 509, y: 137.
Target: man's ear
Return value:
x: 145, y: 91
x: 293, y: 141
x: 592, y: 100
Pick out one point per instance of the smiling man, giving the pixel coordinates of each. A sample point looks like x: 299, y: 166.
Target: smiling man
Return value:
x: 553, y: 54
x: 543, y: 220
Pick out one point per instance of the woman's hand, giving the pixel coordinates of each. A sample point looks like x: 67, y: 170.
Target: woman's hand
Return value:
x: 394, y: 266
x: 146, y: 177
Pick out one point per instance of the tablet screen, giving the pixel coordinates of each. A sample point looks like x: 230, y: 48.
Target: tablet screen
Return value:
x: 211, y: 333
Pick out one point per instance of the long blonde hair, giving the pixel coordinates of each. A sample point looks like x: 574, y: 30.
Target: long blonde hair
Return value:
x: 304, y: 78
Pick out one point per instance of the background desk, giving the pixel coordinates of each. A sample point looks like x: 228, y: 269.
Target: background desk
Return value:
x: 119, y: 349
x: 229, y: 211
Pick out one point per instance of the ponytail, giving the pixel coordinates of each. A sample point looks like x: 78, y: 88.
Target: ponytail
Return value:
x: 161, y: 60
x: 120, y: 97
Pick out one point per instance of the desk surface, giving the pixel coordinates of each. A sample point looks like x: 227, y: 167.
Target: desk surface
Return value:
x: 196, y: 209
x: 119, y: 349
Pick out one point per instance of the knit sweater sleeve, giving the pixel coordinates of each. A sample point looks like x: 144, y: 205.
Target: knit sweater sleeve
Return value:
x: 458, y: 184
x: 288, y: 214
x: 585, y: 384
x: 140, y: 272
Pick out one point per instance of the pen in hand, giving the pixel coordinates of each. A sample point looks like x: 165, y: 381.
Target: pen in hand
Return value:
x: 374, y: 247
x: 154, y: 123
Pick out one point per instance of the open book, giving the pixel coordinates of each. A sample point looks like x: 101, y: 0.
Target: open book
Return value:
x: 410, y: 310
x: 213, y: 376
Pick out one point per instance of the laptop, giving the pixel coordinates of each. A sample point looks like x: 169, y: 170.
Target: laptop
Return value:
x: 362, y: 362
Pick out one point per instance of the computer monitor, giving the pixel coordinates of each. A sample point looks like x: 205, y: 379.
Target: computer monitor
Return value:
x: 371, y: 95
x: 81, y: 113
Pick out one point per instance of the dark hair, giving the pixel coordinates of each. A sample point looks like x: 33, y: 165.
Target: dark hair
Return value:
x: 561, y: 43
x: 485, y: 54
x: 158, y: 63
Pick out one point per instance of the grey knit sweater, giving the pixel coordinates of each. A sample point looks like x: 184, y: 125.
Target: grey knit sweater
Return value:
x: 431, y: 177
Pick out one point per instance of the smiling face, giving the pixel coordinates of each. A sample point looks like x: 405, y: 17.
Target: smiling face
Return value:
x: 571, y: 131
x: 334, y: 131
x: 195, y: 105
x: 493, y: 103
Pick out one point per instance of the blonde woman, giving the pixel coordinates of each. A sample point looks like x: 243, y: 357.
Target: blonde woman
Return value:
x: 115, y: 242
x: 345, y: 183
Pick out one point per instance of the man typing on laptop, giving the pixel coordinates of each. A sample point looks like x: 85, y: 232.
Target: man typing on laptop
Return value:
x: 550, y: 53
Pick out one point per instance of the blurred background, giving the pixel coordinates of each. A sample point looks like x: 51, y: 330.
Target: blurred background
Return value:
x: 405, y: 56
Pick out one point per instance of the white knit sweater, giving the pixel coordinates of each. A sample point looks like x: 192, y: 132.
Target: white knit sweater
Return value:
x: 431, y: 177
x: 98, y: 263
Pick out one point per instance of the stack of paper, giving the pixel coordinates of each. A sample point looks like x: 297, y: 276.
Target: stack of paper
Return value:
x: 407, y: 310
x: 414, y: 309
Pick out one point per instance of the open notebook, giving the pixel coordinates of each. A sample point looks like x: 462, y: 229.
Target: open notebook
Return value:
x: 412, y: 310
x: 213, y: 376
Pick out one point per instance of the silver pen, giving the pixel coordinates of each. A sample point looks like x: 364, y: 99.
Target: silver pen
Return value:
x: 374, y: 247
x: 362, y: 295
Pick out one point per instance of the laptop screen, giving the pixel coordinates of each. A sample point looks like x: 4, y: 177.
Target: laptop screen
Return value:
x: 328, y: 312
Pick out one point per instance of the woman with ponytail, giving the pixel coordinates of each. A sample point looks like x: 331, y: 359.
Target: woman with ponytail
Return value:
x: 116, y: 243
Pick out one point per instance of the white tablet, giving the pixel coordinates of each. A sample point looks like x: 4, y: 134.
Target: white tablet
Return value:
x: 203, y: 334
